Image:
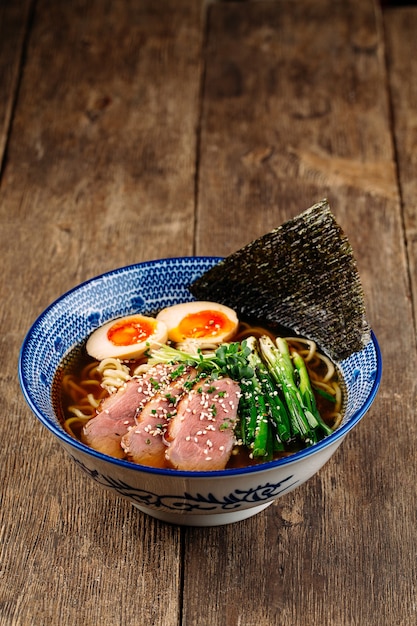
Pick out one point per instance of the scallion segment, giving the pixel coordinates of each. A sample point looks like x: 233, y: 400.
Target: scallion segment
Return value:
x: 291, y: 375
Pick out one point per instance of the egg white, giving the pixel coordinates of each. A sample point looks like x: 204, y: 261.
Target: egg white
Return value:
x: 100, y: 347
x: 173, y: 316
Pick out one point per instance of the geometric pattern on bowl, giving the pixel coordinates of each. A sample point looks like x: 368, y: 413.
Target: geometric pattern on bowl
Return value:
x: 145, y: 288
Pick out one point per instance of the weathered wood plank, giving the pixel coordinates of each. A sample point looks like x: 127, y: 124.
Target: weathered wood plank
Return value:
x: 401, y: 41
x: 275, y: 103
x: 14, y: 18
x: 88, y: 152
x: 100, y: 173
x: 295, y: 109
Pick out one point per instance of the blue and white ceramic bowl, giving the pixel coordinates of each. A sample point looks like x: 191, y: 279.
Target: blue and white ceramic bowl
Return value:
x: 189, y: 498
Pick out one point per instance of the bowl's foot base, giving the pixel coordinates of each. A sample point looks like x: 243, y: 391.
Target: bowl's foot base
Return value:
x: 215, y: 519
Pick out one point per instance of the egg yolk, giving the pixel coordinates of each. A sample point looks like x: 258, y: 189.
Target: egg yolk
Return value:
x: 127, y: 333
x: 204, y: 324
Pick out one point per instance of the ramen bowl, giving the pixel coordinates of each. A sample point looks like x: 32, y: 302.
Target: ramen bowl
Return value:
x: 180, y: 497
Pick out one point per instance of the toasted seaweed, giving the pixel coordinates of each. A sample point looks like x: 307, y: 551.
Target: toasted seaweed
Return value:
x: 302, y: 276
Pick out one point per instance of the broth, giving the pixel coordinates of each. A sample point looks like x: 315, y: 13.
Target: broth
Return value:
x: 79, y: 391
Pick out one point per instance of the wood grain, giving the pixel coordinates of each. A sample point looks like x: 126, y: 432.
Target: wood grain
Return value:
x: 14, y: 25
x: 100, y: 148
x: 284, y: 83
x: 137, y: 130
x: 401, y: 43
x: 295, y: 109
x: 100, y: 173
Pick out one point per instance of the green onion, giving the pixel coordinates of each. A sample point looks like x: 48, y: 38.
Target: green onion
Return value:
x: 279, y: 363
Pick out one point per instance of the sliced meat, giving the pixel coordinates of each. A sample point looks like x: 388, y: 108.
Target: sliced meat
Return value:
x: 201, y: 434
x: 144, y: 442
x: 117, y: 412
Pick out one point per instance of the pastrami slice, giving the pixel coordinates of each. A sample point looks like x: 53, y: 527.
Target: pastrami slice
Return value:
x: 202, y: 432
x: 144, y: 442
x: 118, y: 412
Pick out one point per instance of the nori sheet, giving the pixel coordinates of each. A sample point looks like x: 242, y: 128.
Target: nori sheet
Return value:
x: 301, y: 276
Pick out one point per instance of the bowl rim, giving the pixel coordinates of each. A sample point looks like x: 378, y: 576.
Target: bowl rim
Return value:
x: 65, y: 438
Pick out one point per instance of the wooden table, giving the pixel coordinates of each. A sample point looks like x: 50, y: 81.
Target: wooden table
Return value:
x: 134, y: 130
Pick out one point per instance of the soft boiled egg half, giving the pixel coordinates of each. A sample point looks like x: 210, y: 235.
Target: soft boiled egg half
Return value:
x: 203, y: 322
x: 127, y: 337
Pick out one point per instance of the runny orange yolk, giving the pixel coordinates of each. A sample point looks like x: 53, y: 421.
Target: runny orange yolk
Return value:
x: 127, y: 333
x: 204, y: 324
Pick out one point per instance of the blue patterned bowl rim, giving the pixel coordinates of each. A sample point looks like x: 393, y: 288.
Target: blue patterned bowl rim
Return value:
x: 370, y: 352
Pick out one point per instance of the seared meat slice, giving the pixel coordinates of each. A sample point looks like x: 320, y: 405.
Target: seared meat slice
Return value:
x: 201, y: 434
x: 117, y: 412
x: 144, y: 443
